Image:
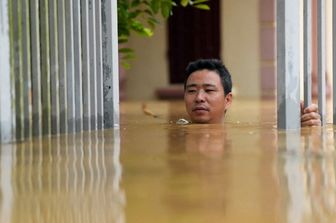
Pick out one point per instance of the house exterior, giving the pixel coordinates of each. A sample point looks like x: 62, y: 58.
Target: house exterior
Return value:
x: 247, y: 47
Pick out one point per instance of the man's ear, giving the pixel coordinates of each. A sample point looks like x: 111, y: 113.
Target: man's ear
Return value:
x: 228, y: 100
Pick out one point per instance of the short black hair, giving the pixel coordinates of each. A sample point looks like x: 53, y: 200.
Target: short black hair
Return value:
x: 212, y: 65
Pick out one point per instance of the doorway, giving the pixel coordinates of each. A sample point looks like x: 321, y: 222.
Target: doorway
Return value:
x: 192, y: 34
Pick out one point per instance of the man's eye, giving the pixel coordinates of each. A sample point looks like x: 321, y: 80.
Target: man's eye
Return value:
x: 191, y: 91
x: 209, y: 90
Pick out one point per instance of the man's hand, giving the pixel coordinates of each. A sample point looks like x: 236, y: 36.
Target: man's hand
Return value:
x: 310, y: 116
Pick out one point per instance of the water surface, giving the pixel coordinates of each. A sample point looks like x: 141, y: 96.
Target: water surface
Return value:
x: 153, y: 170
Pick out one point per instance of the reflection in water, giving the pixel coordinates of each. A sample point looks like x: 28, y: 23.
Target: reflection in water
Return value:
x: 74, y: 178
x: 310, y: 174
x: 5, y: 184
x: 210, y: 142
x: 200, y: 172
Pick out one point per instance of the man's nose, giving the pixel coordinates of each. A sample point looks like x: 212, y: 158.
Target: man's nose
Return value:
x: 200, y: 96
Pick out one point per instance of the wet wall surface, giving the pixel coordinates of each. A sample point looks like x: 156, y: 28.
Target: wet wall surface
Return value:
x: 154, y: 170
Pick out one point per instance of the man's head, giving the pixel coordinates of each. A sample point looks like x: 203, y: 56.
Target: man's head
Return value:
x: 207, y: 91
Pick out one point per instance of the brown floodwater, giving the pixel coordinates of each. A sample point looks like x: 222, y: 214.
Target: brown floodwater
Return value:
x: 154, y: 170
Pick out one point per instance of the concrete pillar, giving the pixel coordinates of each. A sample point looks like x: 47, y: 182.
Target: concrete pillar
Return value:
x: 288, y: 64
x: 110, y: 63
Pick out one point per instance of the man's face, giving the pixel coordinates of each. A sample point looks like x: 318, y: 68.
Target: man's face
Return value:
x: 204, y: 97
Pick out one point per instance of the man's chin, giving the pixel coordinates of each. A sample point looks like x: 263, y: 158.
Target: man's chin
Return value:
x: 201, y: 120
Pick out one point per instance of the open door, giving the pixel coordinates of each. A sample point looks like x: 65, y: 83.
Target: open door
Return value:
x: 193, y: 34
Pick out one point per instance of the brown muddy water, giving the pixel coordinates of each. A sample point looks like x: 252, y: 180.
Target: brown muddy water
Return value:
x: 153, y: 170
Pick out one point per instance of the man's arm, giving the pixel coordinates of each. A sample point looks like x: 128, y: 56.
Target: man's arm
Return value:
x: 310, y: 116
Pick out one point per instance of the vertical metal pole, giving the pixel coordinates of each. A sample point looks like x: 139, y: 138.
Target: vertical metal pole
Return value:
x: 54, y: 68
x: 321, y: 71
x: 110, y: 63
x: 62, y: 66
x: 35, y: 67
x: 6, y: 110
x: 85, y: 64
x: 93, y: 67
x: 307, y: 51
x: 334, y: 60
x: 70, y: 62
x: 26, y: 69
x: 78, y: 64
x: 12, y: 65
x: 100, y: 95
x: 17, y: 63
x: 288, y: 63
x: 45, y: 67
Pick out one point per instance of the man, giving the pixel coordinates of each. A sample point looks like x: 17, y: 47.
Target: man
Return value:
x: 207, y: 94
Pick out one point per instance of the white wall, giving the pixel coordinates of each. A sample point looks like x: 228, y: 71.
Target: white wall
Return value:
x: 240, y: 39
x: 149, y: 70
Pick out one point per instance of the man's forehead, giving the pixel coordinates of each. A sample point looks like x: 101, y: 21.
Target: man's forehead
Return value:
x: 200, y: 85
x: 204, y: 75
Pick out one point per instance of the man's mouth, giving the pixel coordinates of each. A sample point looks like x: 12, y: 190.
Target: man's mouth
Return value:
x: 200, y: 109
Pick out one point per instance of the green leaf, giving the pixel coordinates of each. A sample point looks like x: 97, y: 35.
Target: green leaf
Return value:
x: 125, y: 64
x: 135, y: 3
x: 148, y: 12
x: 152, y: 22
x: 141, y: 29
x: 199, y: 1
x: 126, y: 50
x: 120, y: 41
x: 135, y: 14
x: 202, y: 6
x: 148, y: 32
x: 128, y: 56
x: 155, y: 6
x: 146, y: 3
x: 166, y: 8
x: 184, y: 3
